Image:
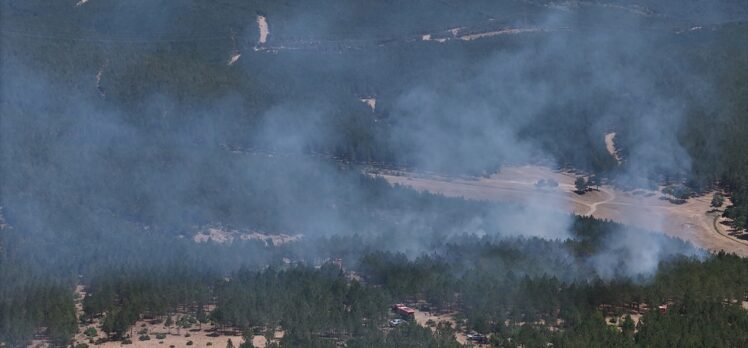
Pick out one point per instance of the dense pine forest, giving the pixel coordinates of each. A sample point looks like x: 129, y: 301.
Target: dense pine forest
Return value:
x: 126, y: 128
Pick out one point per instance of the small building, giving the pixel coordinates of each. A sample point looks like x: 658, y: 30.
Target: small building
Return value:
x: 404, y: 311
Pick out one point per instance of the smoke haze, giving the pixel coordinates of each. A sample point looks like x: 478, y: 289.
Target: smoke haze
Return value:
x: 152, y: 156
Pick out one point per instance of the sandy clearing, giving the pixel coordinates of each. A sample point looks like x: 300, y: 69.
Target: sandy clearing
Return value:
x: 177, y: 338
x: 35, y: 344
x: 690, y: 221
x: 80, y: 3
x: 234, y: 57
x: 610, y: 145
x: 80, y: 294
x: 227, y: 236
x: 260, y: 341
x: 370, y: 101
x: 200, y: 339
x: 422, y: 319
x: 262, y: 23
x: 198, y: 334
x: 426, y: 37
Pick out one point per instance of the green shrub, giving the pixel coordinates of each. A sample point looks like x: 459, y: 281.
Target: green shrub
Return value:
x: 144, y: 337
x: 717, y: 200
x: 90, y: 332
x: 189, y: 343
x: 680, y: 192
x: 160, y: 336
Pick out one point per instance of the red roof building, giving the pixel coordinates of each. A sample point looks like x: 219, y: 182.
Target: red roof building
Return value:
x: 404, y: 310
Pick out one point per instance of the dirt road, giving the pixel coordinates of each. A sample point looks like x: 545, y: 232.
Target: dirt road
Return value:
x: 644, y: 209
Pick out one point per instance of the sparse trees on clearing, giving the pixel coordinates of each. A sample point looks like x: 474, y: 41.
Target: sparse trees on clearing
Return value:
x: 580, y: 184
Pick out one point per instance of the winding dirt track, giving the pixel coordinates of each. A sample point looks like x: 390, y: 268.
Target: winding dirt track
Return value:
x: 728, y: 234
x: 691, y: 221
x: 593, y: 206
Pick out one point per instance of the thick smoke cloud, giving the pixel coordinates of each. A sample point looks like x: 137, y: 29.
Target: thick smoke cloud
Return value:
x: 637, y: 254
x: 164, y: 173
x: 605, y: 75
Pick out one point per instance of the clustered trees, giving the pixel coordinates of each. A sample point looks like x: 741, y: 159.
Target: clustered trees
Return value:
x: 497, y: 300
x: 153, y: 172
x: 492, y: 284
x: 717, y: 200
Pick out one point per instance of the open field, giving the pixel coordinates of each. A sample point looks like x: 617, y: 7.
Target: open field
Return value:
x: 178, y: 338
x: 692, y: 221
x: 199, y: 339
x: 422, y: 319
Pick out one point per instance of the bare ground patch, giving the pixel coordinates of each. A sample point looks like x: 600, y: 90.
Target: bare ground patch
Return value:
x: 222, y: 235
x: 691, y: 221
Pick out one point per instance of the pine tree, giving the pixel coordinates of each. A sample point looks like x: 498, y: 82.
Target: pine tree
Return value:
x: 580, y: 184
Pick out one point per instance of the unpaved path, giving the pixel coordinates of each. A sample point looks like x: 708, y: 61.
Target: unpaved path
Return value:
x: 718, y: 225
x: 463, y: 33
x: 644, y: 209
x: 99, y: 75
x: 593, y: 206
x: 508, y: 31
x: 610, y: 145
